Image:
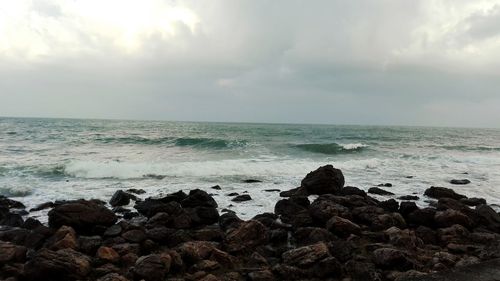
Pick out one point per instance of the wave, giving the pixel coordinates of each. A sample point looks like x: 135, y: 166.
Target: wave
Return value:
x: 467, y: 148
x: 212, y: 143
x: 331, y: 148
x: 209, y: 143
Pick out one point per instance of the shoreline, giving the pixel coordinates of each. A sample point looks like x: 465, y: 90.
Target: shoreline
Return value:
x: 343, y: 233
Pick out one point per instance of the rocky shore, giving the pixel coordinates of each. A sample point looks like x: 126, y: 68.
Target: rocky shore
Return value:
x: 343, y: 234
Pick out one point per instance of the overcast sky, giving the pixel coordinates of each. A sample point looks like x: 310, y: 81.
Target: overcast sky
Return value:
x: 342, y: 62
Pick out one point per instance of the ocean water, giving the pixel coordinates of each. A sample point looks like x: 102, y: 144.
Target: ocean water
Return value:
x: 52, y: 159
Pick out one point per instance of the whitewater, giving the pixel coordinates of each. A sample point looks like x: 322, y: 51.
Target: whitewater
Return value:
x: 59, y: 159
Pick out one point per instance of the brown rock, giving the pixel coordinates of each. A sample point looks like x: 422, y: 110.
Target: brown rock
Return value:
x: 195, y: 251
x: 151, y: 268
x: 112, y: 277
x: 65, y: 264
x: 450, y: 217
x: 262, y: 275
x: 11, y: 253
x: 65, y: 237
x: 107, y: 254
x: 342, y: 227
x: 324, y: 180
x: 248, y: 235
x: 305, y: 256
x: 388, y: 258
x: 82, y: 215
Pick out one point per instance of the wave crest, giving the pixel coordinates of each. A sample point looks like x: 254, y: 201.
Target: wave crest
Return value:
x: 331, y: 148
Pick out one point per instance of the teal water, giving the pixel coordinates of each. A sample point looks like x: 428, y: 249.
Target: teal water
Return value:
x: 49, y: 159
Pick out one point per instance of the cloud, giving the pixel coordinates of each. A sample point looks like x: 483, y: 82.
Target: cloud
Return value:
x: 383, y: 62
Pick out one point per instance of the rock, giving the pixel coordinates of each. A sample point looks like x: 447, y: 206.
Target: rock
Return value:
x: 203, y: 215
x: 342, y: 227
x: 65, y: 264
x: 323, y: 209
x: 195, y: 251
x: 293, y: 211
x: 423, y: 216
x: 112, y: 277
x: 10, y: 204
x: 136, y: 191
x: 113, y: 231
x: 408, y: 197
x: 10, y: 219
x: 82, y: 215
x: 107, y: 254
x: 306, y: 256
x: 246, y: 236
x: 272, y: 190
x: 216, y: 187
x: 151, y: 268
x: 89, y: 244
x: 362, y: 270
x: 262, y: 275
x: 466, y: 261
x: 388, y: 258
x: 387, y: 184
x: 31, y: 223
x: 310, y: 235
x: 460, y: 182
x: 241, y: 198
x: 65, y: 237
x: 442, y: 192
x: 379, y: 191
x: 251, y: 181
x: 407, y: 207
x: 324, y: 180
x: 403, y: 238
x: 198, y: 198
x: 232, y: 194
x: 453, y: 234
x: 151, y: 207
x: 473, y: 201
x: 450, y: 217
x: 385, y: 221
x: 120, y: 198
x: 390, y: 205
x: 299, y: 191
x: 10, y: 252
x: 351, y: 190
x: 134, y: 235
x: 488, y: 217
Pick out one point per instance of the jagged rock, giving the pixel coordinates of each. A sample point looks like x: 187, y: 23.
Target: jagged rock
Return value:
x: 89, y: 244
x: 453, y: 234
x: 10, y: 204
x: 134, y: 235
x: 120, y: 198
x: 64, y: 237
x: 198, y: 198
x: 450, y: 217
x: 65, y: 264
x: 403, y: 238
x: 388, y: 258
x: 306, y: 256
x: 107, y: 254
x: 311, y: 235
x: 390, y: 205
x: 151, y: 207
x: 407, y: 207
x: 473, y: 201
x: 322, y: 209
x: 82, y: 215
x: 442, y: 192
x: 325, y: 179
x: 10, y: 252
x: 195, y: 251
x: 489, y: 217
x: 379, y: 191
x: 151, y: 268
x: 246, y: 236
x: 294, y: 211
x: 342, y: 227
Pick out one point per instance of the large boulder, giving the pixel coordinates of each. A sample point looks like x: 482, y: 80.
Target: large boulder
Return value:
x: 488, y: 217
x: 66, y: 264
x: 450, y: 217
x: 152, y: 268
x: 11, y: 253
x: 152, y: 206
x: 198, y: 198
x: 342, y: 227
x: 325, y: 179
x: 248, y: 235
x: 82, y: 215
x: 120, y: 198
x: 442, y: 192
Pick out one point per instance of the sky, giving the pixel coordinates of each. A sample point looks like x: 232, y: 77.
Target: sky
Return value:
x: 375, y: 62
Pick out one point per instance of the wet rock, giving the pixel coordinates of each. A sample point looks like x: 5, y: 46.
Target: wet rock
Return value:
x: 387, y: 184
x: 442, y: 192
x: 408, y: 197
x: 195, y: 251
x: 216, y: 187
x: 10, y: 219
x: 136, y: 191
x: 42, y: 206
x: 390, y: 205
x: 342, y: 227
x: 453, y: 234
x: 89, y: 244
x: 251, y: 181
x: 248, y: 235
x: 450, y: 217
x: 460, y: 182
x: 352, y: 190
x: 151, y: 268
x: 198, y: 198
x: 423, y: 216
x: 388, y: 258
x: 10, y: 204
x: 262, y: 275
x: 113, y: 230
x: 242, y: 198
x: 151, y: 207
x: 322, y: 209
x: 385, y: 221
x: 120, y: 198
x: 31, y: 223
x: 362, y: 270
x: 407, y: 207
x: 134, y: 235
x: 325, y: 179
x: 306, y: 256
x: 488, y: 217
x: 294, y: 211
x: 426, y: 234
x: 82, y: 215
x: 65, y: 264
x: 403, y: 238
x: 299, y: 191
x: 473, y: 201
x: 311, y: 235
x: 379, y: 191
x: 272, y: 190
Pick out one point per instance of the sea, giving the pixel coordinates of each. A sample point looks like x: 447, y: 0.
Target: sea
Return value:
x: 45, y: 160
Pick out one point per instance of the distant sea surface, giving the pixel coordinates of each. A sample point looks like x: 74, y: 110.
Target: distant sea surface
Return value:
x: 56, y: 159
